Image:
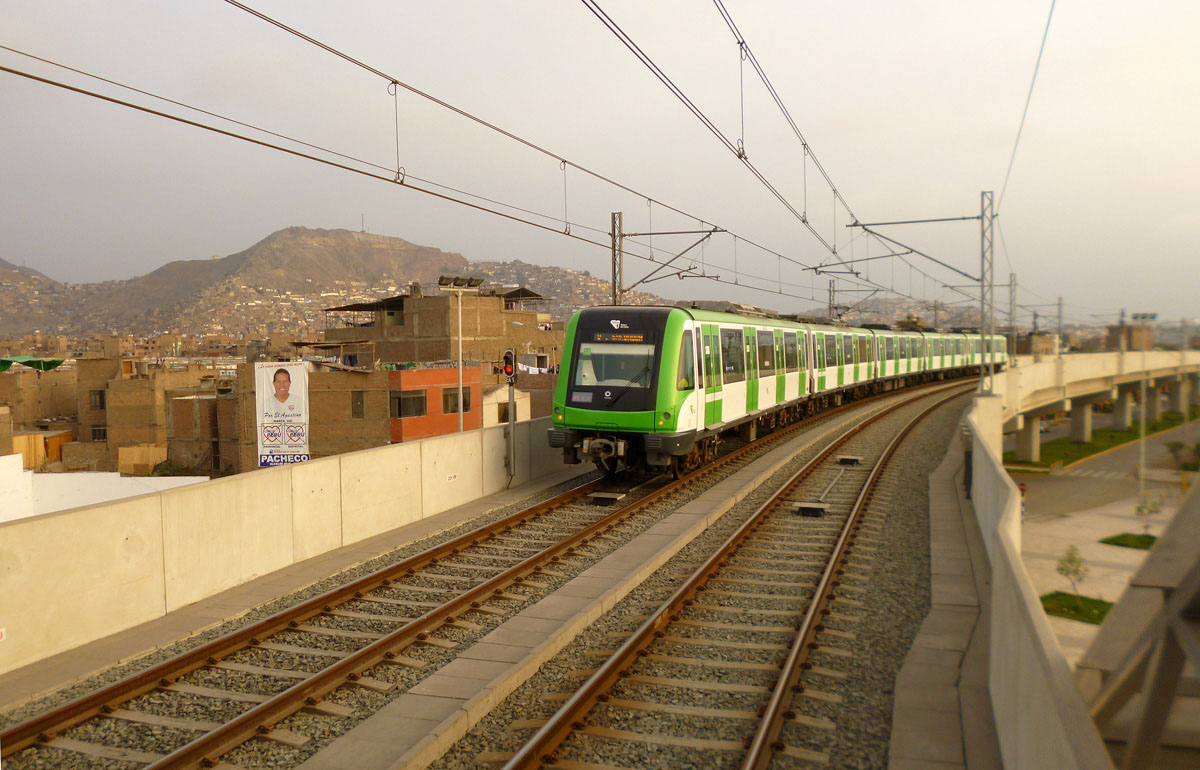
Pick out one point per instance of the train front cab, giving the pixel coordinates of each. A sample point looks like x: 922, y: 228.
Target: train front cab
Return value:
x: 629, y: 386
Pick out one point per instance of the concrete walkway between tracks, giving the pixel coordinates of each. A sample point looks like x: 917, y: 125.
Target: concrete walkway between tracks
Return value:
x: 420, y: 725
x: 942, y: 711
x: 60, y: 670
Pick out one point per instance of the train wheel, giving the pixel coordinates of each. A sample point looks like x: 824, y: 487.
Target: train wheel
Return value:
x: 682, y: 466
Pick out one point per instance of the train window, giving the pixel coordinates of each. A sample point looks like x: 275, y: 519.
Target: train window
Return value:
x: 766, y: 353
x: 864, y: 350
x: 732, y: 355
x: 848, y: 349
x: 708, y: 358
x: 791, y: 358
x: 802, y: 345
x: 889, y: 348
x: 700, y: 377
x: 620, y: 364
x: 685, y: 378
x: 716, y: 360
x: 831, y: 349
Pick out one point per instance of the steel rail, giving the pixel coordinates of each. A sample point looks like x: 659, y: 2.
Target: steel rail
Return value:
x: 206, y: 750
x: 539, y: 748
x: 45, y: 726
x: 42, y: 726
x: 764, y: 743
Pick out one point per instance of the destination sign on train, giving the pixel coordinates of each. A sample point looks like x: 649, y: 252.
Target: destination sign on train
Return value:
x: 618, y: 337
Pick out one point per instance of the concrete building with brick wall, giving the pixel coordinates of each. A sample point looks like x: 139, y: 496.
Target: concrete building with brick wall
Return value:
x: 1136, y: 337
x: 34, y: 396
x: 420, y: 327
x: 122, y: 403
x: 6, y: 431
x: 351, y: 410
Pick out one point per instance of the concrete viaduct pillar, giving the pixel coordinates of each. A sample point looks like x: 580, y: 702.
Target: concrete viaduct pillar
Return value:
x: 1081, y: 415
x: 1177, y: 394
x: 1029, y: 437
x: 1154, y: 410
x: 1123, y: 407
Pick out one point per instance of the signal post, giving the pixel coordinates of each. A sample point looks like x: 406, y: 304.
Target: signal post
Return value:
x: 509, y: 367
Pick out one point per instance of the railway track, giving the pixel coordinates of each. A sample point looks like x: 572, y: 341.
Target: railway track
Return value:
x: 719, y: 673
x: 326, y: 658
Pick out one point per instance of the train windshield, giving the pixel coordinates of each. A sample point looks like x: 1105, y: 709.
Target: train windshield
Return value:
x: 614, y: 364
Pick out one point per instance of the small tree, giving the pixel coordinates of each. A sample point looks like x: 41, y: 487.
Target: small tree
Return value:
x: 1075, y: 569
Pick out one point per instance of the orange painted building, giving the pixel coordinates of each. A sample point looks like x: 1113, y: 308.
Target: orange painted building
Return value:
x: 422, y: 402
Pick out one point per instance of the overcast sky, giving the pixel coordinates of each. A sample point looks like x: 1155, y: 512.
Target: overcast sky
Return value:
x: 912, y: 109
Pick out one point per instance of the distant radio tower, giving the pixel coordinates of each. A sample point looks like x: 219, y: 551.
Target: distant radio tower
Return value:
x: 363, y: 222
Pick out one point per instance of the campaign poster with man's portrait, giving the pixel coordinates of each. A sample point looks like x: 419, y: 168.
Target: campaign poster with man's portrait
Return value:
x: 281, y: 397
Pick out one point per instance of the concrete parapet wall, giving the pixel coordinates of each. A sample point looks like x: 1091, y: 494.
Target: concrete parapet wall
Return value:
x: 1031, y: 386
x: 1040, y: 716
x: 74, y: 576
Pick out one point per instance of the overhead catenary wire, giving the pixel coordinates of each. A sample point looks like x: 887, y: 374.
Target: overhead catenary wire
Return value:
x: 476, y: 119
x: 1024, y: 112
x: 403, y: 175
x: 405, y: 181
x: 395, y: 82
x: 398, y: 175
x: 729, y: 144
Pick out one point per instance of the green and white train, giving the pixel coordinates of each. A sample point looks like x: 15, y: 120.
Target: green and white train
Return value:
x: 657, y: 386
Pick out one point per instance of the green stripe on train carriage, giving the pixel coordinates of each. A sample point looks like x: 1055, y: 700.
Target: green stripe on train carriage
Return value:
x: 750, y: 343
x: 780, y: 369
x: 712, y: 374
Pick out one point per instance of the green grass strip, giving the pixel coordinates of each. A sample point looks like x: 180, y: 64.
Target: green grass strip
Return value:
x: 1075, y: 607
x: 1066, y: 451
x: 1130, y: 540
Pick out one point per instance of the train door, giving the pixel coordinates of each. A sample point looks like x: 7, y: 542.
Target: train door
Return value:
x: 793, y: 375
x: 832, y: 352
x: 767, y: 371
x: 733, y: 373
x: 845, y: 359
x: 751, y: 342
x: 712, y: 375
x: 689, y: 384
x: 806, y: 384
x: 781, y: 389
x: 819, y: 359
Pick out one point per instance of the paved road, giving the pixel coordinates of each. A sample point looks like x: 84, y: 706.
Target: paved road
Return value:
x: 1086, y: 503
x: 1106, y: 478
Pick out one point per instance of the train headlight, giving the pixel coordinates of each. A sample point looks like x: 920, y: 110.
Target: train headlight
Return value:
x: 666, y: 415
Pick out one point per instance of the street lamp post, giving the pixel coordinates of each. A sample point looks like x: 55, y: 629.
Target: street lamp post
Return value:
x: 459, y: 285
x: 1144, y: 318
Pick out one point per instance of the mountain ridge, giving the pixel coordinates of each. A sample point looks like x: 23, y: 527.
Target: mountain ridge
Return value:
x: 278, y: 284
